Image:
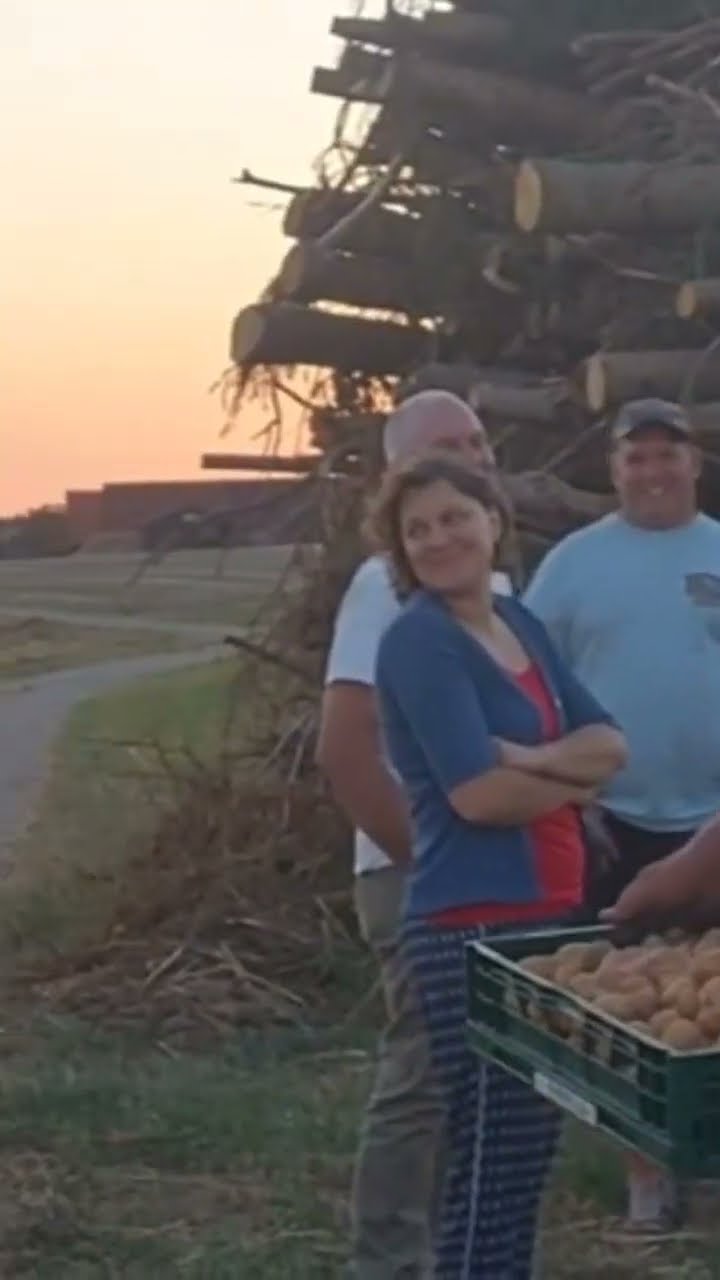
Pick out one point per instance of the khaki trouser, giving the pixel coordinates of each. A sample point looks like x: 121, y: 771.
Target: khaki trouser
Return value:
x: 394, y: 1188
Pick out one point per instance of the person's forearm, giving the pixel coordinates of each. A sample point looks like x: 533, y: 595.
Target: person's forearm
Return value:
x: 684, y: 887
x: 511, y: 797
x: 587, y: 757
x: 372, y: 800
x: 704, y: 847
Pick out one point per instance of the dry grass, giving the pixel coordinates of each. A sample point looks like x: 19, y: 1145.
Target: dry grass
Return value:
x: 30, y: 646
x: 120, y: 1159
x: 216, y: 894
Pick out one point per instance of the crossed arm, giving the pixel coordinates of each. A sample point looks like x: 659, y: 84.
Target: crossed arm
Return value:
x: 587, y: 757
x: 532, y: 781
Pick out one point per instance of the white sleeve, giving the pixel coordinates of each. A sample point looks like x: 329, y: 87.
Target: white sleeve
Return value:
x: 367, y: 609
x: 502, y: 584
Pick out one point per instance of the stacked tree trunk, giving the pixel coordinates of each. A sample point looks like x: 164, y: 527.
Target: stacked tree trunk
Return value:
x: 530, y: 215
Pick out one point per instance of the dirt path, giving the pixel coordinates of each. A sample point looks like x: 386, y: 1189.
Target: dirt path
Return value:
x: 32, y: 713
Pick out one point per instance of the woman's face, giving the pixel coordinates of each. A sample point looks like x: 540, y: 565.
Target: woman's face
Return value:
x: 448, y: 538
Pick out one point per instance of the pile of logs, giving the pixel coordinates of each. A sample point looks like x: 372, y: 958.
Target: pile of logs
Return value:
x: 530, y: 215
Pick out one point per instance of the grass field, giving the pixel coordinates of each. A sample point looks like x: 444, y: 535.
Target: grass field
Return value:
x: 103, y: 795
x: 119, y: 1160
x: 126, y: 1158
x: 185, y: 586
x: 31, y: 646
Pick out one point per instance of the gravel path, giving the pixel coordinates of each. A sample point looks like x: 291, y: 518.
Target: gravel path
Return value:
x: 32, y: 713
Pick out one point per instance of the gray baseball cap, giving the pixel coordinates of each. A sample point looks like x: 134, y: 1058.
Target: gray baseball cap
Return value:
x: 651, y: 413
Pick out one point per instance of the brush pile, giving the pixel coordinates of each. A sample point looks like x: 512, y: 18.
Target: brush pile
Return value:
x: 238, y: 911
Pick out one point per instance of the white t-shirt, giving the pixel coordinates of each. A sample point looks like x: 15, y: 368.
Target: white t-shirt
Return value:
x: 367, y: 609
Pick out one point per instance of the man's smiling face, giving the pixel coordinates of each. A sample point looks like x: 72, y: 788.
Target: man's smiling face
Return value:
x: 655, y: 472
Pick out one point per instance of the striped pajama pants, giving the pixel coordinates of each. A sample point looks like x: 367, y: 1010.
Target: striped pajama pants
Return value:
x: 500, y: 1137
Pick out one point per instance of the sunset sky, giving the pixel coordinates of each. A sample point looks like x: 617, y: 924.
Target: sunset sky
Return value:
x: 125, y: 247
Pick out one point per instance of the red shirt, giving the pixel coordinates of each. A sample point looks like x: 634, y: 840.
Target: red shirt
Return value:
x: 557, y: 842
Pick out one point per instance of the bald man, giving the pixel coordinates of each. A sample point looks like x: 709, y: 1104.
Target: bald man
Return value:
x: 396, y: 1168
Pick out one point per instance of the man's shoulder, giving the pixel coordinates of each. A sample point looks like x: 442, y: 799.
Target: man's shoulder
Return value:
x: 366, y: 610
x: 371, y: 589
x: 582, y: 545
x: 581, y: 541
x: 372, y: 576
x: 708, y: 528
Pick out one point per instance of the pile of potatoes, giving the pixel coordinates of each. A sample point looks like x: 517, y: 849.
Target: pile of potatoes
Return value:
x: 667, y: 988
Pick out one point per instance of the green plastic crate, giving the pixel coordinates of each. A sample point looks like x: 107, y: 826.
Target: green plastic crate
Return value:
x: 658, y: 1101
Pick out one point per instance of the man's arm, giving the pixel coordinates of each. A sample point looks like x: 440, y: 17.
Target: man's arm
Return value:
x: 349, y: 754
x: 684, y: 886
x: 349, y: 749
x: 587, y: 757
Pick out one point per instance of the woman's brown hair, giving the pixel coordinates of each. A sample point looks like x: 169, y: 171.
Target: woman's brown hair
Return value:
x: 383, y: 525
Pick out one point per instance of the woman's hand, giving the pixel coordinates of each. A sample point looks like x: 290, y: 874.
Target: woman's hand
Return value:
x: 513, y: 755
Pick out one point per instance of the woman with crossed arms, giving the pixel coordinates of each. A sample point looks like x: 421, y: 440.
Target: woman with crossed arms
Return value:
x: 497, y: 746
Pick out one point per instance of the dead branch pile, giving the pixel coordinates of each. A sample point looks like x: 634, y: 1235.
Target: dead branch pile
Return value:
x: 238, y: 912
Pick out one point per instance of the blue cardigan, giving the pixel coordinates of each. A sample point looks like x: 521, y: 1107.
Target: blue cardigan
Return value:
x: 443, y: 699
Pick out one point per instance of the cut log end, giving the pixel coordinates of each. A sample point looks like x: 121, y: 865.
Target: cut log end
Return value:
x: 528, y: 197
x: 609, y: 378
x: 686, y: 301
x: 698, y: 298
x: 595, y: 384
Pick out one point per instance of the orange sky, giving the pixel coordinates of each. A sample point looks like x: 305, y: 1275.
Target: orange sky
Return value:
x: 125, y: 248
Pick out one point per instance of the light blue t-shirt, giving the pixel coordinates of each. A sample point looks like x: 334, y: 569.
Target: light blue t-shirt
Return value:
x: 636, y: 615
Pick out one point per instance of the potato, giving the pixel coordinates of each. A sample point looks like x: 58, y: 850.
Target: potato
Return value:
x: 643, y: 1000
x: 705, y: 964
x: 708, y: 1020
x: 710, y: 992
x: 660, y: 1020
x: 614, y: 974
x: 616, y: 1005
x: 682, y: 1034
x: 661, y: 963
x: 539, y: 966
x: 595, y: 952
x: 565, y: 975
x: 575, y: 957
x: 583, y: 985
x: 682, y: 995
x: 560, y: 1021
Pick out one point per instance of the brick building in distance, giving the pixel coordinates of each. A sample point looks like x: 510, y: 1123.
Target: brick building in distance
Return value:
x: 261, y: 510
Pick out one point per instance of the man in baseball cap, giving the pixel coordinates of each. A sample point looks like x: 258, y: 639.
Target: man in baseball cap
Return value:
x: 643, y: 415
x: 633, y: 603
